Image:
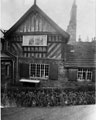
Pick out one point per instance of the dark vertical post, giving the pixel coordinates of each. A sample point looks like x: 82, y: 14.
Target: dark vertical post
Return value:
x: 13, y: 71
x: 17, y: 77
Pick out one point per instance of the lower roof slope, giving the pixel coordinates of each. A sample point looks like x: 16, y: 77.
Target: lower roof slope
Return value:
x: 83, y: 54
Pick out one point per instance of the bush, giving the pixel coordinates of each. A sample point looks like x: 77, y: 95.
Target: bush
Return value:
x: 46, y: 97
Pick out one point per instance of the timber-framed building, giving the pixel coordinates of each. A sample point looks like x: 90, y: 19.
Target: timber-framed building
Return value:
x: 41, y: 52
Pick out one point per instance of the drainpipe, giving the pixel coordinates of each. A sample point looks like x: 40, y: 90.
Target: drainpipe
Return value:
x: 17, y: 75
x: 13, y: 71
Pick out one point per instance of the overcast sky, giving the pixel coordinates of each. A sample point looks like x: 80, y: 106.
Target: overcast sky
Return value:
x: 58, y: 10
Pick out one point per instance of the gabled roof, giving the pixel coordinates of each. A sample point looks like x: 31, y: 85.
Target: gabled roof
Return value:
x: 36, y: 8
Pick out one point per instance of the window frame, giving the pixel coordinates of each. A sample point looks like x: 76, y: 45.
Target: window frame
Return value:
x: 42, y: 50
x: 82, y: 71
x: 44, y: 70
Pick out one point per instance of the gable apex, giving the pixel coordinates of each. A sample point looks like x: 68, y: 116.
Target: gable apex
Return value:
x: 37, y: 9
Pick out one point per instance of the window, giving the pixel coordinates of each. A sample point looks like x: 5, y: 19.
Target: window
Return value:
x: 84, y: 75
x: 39, y: 70
x: 7, y: 70
x: 37, y: 51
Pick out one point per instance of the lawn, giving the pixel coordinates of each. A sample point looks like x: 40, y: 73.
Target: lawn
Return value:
x: 85, y: 112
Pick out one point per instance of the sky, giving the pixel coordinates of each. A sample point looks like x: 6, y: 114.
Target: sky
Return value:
x: 58, y: 10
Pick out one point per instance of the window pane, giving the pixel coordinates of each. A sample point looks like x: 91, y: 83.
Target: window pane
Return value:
x: 38, y: 70
x: 40, y: 55
x: 24, y: 54
x: 89, y: 75
x: 32, y: 54
x: 80, y: 75
x: 42, y: 71
x: 46, y: 70
x: 40, y: 49
x: 29, y: 55
x: 84, y: 75
x: 33, y: 69
x: 28, y: 48
x: 44, y: 55
x: 44, y: 49
x: 36, y: 48
x: 32, y: 48
x: 36, y: 55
